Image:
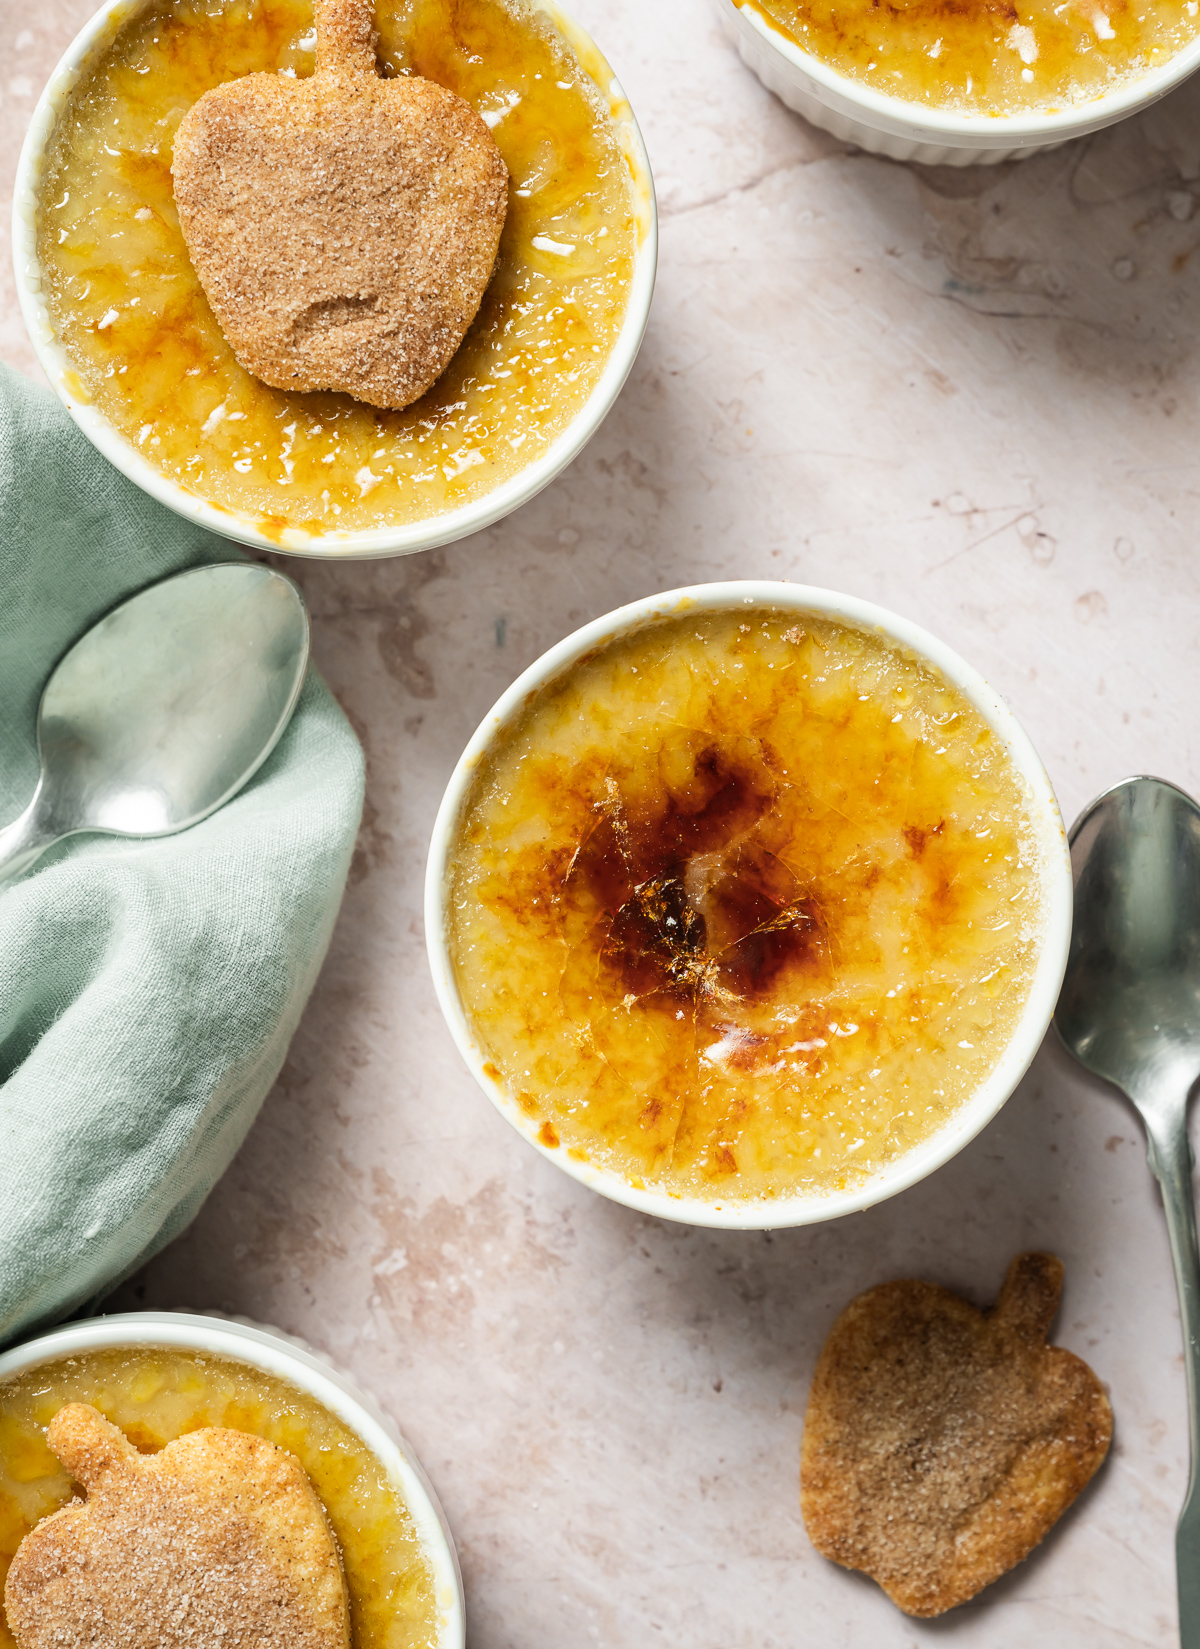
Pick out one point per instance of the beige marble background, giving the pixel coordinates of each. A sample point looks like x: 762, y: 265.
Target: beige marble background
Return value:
x: 971, y: 396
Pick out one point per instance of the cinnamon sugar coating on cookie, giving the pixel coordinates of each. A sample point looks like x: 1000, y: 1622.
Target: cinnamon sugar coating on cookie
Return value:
x: 345, y: 227
x: 941, y: 1443
x: 217, y: 1542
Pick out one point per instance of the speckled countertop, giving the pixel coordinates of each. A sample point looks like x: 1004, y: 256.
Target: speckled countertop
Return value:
x: 971, y: 396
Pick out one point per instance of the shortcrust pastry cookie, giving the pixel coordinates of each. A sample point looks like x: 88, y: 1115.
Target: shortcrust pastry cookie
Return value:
x: 344, y: 227
x: 941, y: 1443
x: 219, y: 1539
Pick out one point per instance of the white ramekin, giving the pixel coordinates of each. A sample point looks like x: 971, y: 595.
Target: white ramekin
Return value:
x: 288, y: 1358
x: 914, y: 1165
x: 910, y: 131
x: 87, y: 46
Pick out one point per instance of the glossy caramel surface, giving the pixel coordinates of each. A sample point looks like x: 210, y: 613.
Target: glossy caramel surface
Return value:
x: 128, y: 306
x: 155, y: 1395
x: 990, y: 57
x: 744, y: 905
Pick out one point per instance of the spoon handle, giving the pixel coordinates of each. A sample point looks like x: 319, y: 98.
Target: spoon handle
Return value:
x: 1171, y: 1161
x: 24, y: 840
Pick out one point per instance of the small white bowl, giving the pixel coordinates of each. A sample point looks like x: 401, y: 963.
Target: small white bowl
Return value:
x: 910, y: 131
x: 810, y: 1207
x: 288, y: 1358
x: 93, y: 40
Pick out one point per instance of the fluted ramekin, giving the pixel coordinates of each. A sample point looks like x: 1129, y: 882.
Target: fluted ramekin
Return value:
x: 402, y: 539
x: 910, y: 131
x: 287, y: 1358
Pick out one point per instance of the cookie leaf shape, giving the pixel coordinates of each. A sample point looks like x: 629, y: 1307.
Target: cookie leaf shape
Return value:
x: 941, y: 1442
x: 344, y: 227
x: 219, y: 1539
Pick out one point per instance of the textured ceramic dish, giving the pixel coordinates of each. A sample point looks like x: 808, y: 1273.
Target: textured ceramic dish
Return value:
x: 404, y: 539
x: 966, y: 1122
x: 287, y: 1359
x: 907, y: 131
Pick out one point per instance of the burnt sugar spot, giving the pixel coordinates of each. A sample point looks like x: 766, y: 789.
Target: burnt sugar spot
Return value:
x: 600, y: 866
x: 687, y: 903
x: 736, y: 1048
x: 916, y: 837
x: 730, y: 788
x: 657, y: 941
x: 723, y: 1163
x: 789, y: 936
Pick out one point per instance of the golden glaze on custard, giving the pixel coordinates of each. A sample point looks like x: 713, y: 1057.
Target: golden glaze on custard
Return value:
x: 156, y: 1395
x: 745, y: 905
x: 129, y: 309
x: 992, y: 57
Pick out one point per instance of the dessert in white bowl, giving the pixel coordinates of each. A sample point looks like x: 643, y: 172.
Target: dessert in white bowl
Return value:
x: 964, y: 84
x: 748, y: 904
x: 126, y: 336
x: 160, y: 1376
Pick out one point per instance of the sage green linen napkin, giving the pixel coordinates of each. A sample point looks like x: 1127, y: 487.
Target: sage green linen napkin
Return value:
x: 148, y: 990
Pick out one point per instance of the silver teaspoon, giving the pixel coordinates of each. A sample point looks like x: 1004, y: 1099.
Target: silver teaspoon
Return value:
x: 1130, y: 1012
x: 163, y: 710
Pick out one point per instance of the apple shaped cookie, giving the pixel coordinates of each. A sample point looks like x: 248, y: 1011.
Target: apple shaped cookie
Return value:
x: 941, y: 1442
x: 218, y: 1540
x: 344, y: 227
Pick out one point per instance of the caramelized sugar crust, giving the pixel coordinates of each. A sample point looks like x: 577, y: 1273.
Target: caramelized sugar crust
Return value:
x: 132, y: 315
x: 742, y: 906
x: 992, y: 57
x: 155, y: 1396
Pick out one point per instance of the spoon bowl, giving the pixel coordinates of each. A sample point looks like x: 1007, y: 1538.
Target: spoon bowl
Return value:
x: 1130, y: 1004
x: 1129, y: 1011
x: 164, y: 709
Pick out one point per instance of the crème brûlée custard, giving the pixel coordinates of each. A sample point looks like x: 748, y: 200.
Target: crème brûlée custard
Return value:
x: 128, y: 308
x: 154, y: 1396
x: 744, y: 905
x: 988, y: 57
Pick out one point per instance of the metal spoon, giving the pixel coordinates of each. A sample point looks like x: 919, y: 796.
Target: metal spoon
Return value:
x: 163, y: 710
x: 1130, y: 1011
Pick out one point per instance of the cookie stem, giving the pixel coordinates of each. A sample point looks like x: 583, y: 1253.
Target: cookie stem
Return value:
x: 346, y: 37
x: 89, y: 1446
x: 1030, y: 1295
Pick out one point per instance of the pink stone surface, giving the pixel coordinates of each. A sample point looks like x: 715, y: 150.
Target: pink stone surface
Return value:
x: 970, y: 396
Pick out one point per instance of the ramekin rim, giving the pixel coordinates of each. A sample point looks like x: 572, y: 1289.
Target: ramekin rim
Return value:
x: 988, y: 1099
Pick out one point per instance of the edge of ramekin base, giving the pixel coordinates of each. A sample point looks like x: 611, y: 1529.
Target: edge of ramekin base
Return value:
x: 904, y: 131
x: 263, y: 1346
x: 406, y: 539
x: 970, y: 1118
